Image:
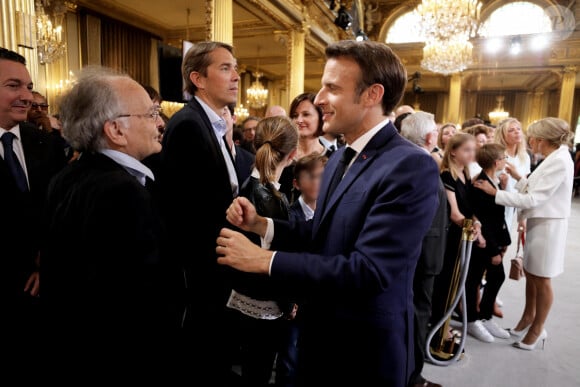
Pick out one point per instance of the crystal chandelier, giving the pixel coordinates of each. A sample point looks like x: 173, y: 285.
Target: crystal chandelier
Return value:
x: 257, y: 95
x: 447, y: 57
x: 447, y: 26
x: 49, y: 39
x: 499, y: 113
x: 241, y: 113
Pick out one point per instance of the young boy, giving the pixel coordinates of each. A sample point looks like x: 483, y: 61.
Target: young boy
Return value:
x: 307, y: 174
x: 488, y: 259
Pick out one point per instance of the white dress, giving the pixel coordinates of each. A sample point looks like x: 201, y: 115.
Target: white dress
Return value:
x: 544, y: 199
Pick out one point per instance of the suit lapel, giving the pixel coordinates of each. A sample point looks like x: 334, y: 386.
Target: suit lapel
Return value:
x: 31, y: 144
x: 195, y: 105
x: 362, y: 161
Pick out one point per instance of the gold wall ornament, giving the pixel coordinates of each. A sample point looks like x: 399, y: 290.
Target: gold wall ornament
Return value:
x: 209, y: 10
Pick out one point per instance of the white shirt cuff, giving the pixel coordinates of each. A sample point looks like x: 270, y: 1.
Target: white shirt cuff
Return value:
x: 271, y: 261
x: 266, y: 241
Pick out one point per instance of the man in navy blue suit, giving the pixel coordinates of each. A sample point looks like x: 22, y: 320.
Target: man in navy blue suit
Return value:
x: 351, y: 268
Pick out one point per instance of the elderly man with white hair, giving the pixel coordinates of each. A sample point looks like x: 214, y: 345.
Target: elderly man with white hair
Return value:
x: 101, y: 264
x: 420, y: 128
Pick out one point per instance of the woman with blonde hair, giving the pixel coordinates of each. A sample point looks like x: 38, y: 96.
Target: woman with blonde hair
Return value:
x: 509, y: 134
x: 544, y: 201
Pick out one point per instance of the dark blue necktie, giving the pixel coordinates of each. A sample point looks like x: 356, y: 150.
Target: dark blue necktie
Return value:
x: 346, y: 158
x: 12, y: 162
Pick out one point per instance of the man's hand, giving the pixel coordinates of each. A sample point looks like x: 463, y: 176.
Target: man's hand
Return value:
x: 33, y: 284
x: 242, y: 213
x: 496, y: 259
x: 239, y: 252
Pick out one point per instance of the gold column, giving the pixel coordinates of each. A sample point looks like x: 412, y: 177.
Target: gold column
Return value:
x: 295, y: 65
x: 220, y: 21
x: 567, y: 93
x: 454, y: 98
x: 17, y: 29
x: 537, y: 111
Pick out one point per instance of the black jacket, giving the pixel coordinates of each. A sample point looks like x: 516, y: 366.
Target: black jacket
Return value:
x: 269, y: 205
x: 101, y: 267
x: 20, y: 222
x: 492, y: 218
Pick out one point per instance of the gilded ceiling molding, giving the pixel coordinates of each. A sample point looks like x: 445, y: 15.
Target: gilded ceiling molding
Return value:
x: 208, y: 19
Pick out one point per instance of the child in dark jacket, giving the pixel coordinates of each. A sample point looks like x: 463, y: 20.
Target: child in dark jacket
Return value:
x: 487, y: 260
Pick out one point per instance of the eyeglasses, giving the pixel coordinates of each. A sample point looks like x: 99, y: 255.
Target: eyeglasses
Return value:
x: 153, y: 116
x: 41, y: 106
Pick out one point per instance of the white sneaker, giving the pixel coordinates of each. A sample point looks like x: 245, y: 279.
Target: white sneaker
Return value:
x: 477, y: 330
x: 495, y: 330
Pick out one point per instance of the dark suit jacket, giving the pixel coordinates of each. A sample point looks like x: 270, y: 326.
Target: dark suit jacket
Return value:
x: 244, y: 163
x: 20, y: 225
x: 356, y: 280
x: 195, y: 191
x: 434, y: 242
x: 101, y: 268
x: 296, y: 214
x: 492, y: 218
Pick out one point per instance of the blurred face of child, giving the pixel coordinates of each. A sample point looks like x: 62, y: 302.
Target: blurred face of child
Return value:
x: 308, y: 183
x: 465, y: 153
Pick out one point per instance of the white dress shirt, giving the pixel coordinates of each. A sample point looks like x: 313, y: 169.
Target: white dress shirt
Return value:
x: 219, y: 126
x: 131, y: 164
x: 308, y: 212
x: 17, y: 147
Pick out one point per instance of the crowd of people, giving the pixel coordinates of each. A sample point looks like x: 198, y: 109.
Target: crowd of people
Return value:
x: 313, y: 246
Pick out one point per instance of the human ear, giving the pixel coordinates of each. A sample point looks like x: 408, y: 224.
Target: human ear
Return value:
x: 197, y: 79
x: 114, y: 133
x: 374, y: 94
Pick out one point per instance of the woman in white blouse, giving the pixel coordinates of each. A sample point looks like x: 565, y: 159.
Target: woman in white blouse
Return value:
x: 509, y: 134
x: 544, y: 200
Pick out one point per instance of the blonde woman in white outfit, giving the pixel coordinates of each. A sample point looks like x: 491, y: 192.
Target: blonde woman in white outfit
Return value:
x: 509, y: 134
x: 544, y: 200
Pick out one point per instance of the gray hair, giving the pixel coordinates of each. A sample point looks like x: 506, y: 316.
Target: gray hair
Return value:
x: 417, y: 126
x: 86, y: 108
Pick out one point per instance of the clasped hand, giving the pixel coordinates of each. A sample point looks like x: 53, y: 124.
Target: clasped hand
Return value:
x: 234, y: 248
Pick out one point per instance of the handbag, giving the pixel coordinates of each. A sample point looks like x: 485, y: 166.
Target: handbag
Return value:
x: 517, y: 263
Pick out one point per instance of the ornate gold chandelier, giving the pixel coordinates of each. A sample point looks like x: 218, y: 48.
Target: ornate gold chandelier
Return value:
x: 447, y: 26
x: 241, y: 113
x: 257, y: 95
x: 447, y: 57
x: 49, y: 32
x: 498, y: 114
